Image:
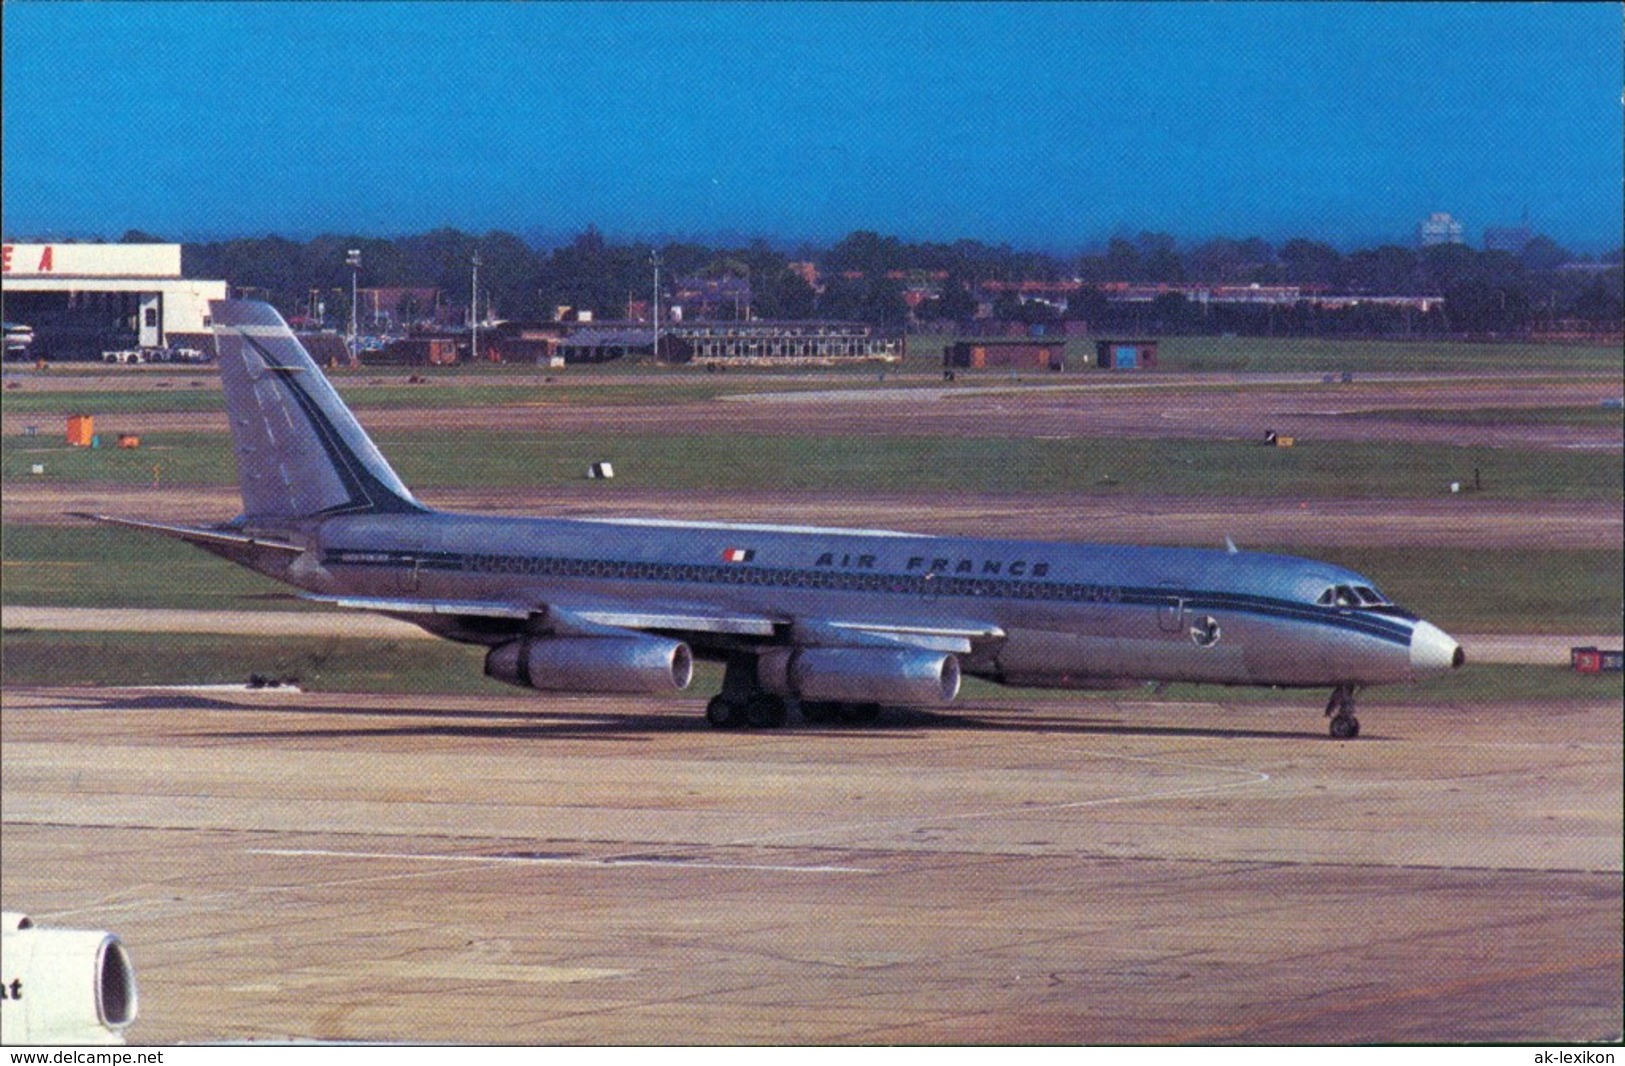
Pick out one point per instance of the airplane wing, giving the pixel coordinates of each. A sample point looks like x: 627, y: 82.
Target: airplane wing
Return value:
x: 580, y: 616
x: 567, y: 616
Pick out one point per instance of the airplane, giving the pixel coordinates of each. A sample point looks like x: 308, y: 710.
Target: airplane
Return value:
x: 835, y: 623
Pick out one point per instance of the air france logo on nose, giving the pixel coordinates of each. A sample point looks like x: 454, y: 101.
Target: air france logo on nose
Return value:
x: 738, y: 555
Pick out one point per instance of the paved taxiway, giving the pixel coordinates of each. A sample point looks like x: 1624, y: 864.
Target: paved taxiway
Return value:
x: 531, y: 869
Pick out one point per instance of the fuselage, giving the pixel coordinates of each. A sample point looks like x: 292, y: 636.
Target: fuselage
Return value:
x: 1066, y: 614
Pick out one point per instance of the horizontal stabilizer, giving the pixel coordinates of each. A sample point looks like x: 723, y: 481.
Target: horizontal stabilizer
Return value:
x: 193, y: 535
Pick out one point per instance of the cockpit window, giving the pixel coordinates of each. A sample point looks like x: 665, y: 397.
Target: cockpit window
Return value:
x: 1352, y: 596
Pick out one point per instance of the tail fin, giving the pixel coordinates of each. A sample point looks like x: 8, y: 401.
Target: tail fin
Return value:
x: 300, y: 452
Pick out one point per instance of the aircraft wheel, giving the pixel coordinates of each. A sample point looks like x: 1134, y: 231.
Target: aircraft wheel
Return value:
x: 765, y: 712
x: 860, y: 713
x: 724, y: 714
x: 1345, y: 727
x: 819, y: 711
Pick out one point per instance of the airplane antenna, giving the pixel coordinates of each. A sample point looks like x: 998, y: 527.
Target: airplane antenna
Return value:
x: 1230, y: 546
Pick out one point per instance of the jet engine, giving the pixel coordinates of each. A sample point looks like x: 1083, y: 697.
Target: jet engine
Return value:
x: 63, y: 986
x: 633, y: 663
x: 901, y: 677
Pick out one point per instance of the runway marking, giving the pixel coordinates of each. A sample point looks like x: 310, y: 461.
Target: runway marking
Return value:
x: 1256, y: 777
x: 546, y: 860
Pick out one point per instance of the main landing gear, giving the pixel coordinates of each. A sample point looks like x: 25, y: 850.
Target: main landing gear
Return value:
x: 743, y: 703
x: 1341, y: 711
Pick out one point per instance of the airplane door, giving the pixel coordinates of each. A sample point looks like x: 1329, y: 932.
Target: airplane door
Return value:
x: 409, y: 575
x: 1171, y: 614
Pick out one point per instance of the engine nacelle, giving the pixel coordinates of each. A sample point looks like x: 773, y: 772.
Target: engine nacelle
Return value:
x: 902, y: 677
x: 632, y: 664
x: 63, y: 986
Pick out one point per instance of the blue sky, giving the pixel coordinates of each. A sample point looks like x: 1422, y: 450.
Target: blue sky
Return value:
x: 1048, y: 125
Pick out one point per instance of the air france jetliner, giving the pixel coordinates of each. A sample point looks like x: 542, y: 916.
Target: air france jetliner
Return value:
x: 835, y: 622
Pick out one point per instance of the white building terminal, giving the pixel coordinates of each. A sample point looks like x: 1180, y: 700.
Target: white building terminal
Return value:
x: 81, y: 298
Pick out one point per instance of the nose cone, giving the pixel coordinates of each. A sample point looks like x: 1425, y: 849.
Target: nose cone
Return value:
x: 1433, y: 651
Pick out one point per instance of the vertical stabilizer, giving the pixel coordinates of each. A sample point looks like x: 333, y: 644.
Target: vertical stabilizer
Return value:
x: 300, y: 452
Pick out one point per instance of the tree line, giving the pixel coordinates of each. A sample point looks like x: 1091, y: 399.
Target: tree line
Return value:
x: 865, y: 275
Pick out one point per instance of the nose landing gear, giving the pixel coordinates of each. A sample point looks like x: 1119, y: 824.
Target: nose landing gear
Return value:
x: 1340, y: 710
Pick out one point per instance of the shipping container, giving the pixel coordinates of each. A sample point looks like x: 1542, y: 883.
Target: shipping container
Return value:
x: 81, y: 430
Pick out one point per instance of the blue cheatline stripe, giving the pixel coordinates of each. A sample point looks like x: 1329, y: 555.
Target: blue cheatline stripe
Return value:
x: 1389, y: 629
x: 366, y: 492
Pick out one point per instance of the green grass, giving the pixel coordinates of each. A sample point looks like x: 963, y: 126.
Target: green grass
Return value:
x: 474, y: 458
x: 1594, y: 415
x: 417, y: 667
x: 1463, y: 590
x: 102, y: 566
x: 179, y: 458
x: 1480, y: 590
x: 327, y: 665
x: 53, y: 405
x: 378, y: 388
x: 1278, y: 354
x: 360, y: 396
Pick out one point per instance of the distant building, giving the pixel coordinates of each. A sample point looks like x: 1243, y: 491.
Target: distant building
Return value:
x: 415, y: 351
x: 1438, y: 228
x: 1125, y: 355
x: 722, y: 343
x: 83, y: 298
x: 1014, y: 354
x: 766, y: 340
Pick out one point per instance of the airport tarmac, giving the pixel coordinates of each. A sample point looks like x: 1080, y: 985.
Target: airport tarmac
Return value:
x: 539, y: 870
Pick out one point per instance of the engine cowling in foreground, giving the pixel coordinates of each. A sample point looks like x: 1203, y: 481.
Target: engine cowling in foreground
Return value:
x: 629, y: 664
x: 901, y: 677
x: 63, y: 986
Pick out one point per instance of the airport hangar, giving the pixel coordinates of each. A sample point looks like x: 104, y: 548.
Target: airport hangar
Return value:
x: 81, y: 298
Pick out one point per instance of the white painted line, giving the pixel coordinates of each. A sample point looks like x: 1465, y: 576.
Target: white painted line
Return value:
x: 543, y: 860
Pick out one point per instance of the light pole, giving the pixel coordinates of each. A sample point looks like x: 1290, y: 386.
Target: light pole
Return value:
x: 654, y: 257
x: 474, y: 314
x: 353, y: 259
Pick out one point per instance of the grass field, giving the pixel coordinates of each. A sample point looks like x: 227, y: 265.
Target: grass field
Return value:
x: 366, y: 396
x: 1314, y: 470
x: 180, y: 389
x: 1476, y: 591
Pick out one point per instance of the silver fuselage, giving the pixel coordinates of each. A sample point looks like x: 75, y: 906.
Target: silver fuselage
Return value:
x: 1070, y: 615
